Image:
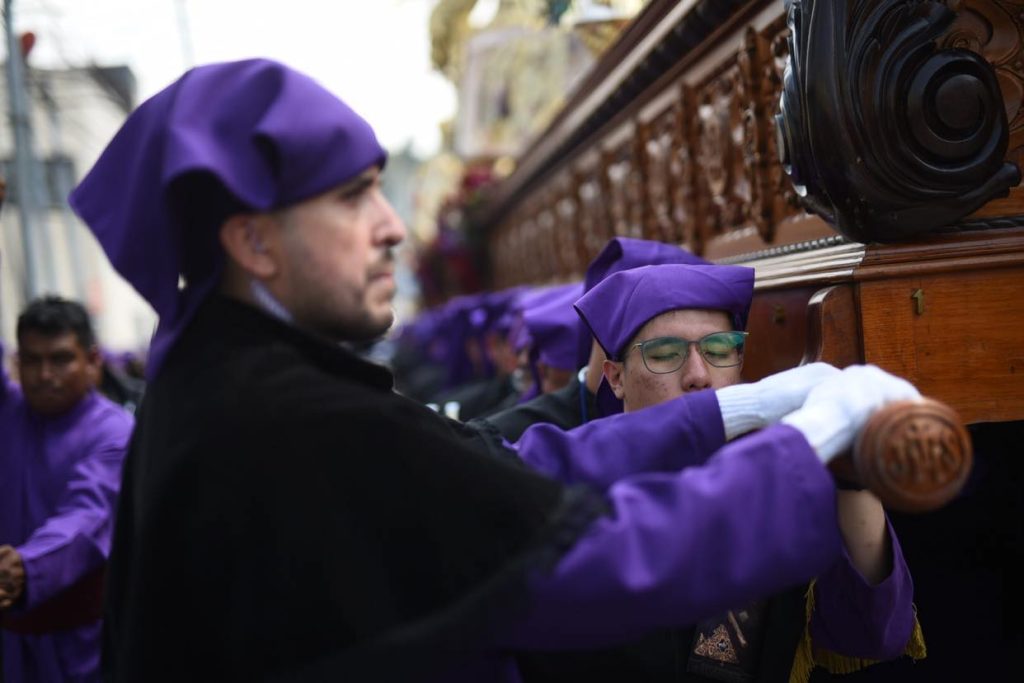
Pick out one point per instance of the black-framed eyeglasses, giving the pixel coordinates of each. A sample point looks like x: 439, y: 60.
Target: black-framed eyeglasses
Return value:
x: 663, y: 355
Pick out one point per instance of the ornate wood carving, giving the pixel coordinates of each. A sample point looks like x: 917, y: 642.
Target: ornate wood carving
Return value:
x: 753, y: 57
x: 668, y: 168
x: 775, y: 198
x: 914, y: 455
x: 548, y: 251
x: 693, y: 159
x: 993, y: 29
x: 623, y: 184
x: 658, y: 138
x: 885, y: 132
x: 594, y: 223
x: 567, y: 235
x: 724, y: 187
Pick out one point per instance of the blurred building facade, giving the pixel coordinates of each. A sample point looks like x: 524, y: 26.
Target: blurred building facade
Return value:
x: 73, y: 114
x: 513, y: 72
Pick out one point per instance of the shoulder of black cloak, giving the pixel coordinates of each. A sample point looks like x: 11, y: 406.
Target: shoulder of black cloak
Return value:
x: 560, y: 408
x: 315, y: 438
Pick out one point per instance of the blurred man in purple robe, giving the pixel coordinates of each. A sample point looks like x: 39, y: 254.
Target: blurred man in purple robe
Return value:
x: 61, y: 449
x: 286, y: 515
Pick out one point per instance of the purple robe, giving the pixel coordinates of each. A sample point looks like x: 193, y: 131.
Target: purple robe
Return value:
x: 760, y: 514
x: 58, y: 491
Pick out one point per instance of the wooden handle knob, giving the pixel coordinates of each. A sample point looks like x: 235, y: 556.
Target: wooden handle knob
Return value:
x: 914, y: 455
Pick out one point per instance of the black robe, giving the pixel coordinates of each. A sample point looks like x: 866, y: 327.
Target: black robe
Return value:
x: 563, y: 408
x: 285, y: 514
x: 479, y: 398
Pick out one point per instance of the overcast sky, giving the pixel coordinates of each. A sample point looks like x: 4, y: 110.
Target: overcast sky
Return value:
x: 375, y: 54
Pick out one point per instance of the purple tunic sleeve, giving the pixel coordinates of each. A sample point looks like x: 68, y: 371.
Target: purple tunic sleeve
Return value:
x: 757, y: 518
x: 75, y: 540
x: 663, y: 438
x: 853, y: 618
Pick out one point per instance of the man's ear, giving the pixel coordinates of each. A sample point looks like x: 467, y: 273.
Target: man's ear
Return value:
x: 613, y: 375
x: 245, y: 238
x: 94, y: 361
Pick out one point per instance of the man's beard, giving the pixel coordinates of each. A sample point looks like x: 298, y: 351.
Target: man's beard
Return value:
x: 347, y: 316
x: 362, y: 329
x: 350, y: 321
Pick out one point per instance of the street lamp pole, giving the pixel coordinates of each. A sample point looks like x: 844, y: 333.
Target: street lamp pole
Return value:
x: 21, y: 125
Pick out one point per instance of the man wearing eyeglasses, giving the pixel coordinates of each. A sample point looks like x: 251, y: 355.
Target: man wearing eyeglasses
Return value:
x: 692, y: 337
x: 671, y: 330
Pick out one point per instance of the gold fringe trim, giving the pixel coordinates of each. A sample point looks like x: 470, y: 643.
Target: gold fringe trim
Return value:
x: 808, y: 656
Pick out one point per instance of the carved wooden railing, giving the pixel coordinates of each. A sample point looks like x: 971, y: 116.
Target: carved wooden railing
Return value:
x: 872, y: 180
x: 902, y: 116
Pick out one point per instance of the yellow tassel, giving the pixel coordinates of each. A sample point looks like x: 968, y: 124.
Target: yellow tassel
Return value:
x: 808, y: 656
x: 803, y: 660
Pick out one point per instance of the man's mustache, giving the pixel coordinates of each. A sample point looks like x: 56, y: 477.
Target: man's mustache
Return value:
x: 385, y: 265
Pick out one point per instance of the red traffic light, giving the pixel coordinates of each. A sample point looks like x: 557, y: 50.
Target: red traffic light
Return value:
x: 27, y: 41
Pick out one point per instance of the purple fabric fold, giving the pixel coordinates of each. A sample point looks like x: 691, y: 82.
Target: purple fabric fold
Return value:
x: 857, y: 619
x: 600, y: 453
x: 757, y: 518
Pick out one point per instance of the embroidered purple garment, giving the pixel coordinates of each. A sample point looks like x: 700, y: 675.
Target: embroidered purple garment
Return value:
x: 261, y: 134
x: 58, y: 490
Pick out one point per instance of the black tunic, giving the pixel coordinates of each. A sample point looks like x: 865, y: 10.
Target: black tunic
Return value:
x: 562, y: 408
x: 479, y: 398
x: 284, y: 512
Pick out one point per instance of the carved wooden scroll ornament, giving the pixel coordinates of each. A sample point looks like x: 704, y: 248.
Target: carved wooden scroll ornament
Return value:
x: 883, y: 133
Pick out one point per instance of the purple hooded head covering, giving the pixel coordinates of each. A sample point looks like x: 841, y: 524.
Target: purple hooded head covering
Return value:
x: 457, y: 328
x: 519, y: 333
x: 624, y: 253
x: 252, y: 135
x: 554, y: 328
x: 616, y: 308
x: 620, y: 305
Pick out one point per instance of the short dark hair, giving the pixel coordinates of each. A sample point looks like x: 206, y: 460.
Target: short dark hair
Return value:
x: 53, y: 315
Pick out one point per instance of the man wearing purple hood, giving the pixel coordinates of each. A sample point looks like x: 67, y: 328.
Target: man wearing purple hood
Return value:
x: 287, y: 516
x: 61, y: 449
x: 482, y: 396
x: 672, y: 330
x: 552, y: 329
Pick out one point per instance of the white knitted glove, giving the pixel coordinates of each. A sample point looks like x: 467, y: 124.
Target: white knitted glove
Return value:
x: 835, y: 411
x: 746, y: 407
